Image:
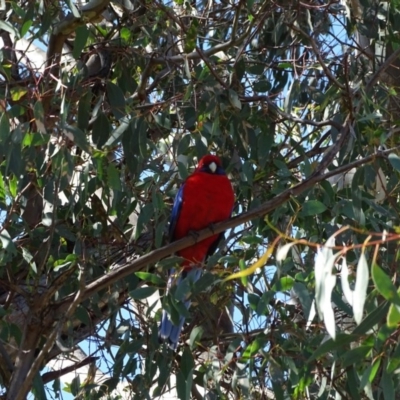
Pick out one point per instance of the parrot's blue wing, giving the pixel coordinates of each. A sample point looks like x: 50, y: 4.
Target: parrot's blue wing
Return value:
x: 176, y: 209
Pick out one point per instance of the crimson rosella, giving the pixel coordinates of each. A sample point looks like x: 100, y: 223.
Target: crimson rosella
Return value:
x: 206, y: 197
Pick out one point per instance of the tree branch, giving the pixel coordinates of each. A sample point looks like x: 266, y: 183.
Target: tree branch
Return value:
x: 50, y: 376
x: 382, y: 69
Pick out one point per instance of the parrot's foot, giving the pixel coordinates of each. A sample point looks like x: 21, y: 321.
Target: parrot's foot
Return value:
x: 194, y: 235
x: 212, y: 227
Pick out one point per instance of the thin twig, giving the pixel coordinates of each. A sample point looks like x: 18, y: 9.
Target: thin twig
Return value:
x: 50, y: 376
x: 211, y: 69
x: 316, y: 50
x: 382, y: 69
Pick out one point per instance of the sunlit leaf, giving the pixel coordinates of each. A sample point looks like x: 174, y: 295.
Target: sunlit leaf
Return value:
x: 253, y: 348
x: 17, y: 92
x: 5, y: 25
x: 282, y: 251
x: 258, y: 264
x: 393, y: 317
x: 7, y: 242
x: 150, y: 278
x: 360, y: 289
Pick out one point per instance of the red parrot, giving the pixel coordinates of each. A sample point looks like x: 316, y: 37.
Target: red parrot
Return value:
x: 205, y: 198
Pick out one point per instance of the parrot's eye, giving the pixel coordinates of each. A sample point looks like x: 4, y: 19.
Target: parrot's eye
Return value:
x: 213, y: 167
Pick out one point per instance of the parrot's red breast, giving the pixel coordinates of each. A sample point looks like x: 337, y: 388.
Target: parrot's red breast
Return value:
x: 207, y: 198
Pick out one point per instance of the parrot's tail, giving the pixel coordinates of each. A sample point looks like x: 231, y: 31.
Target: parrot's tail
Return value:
x: 169, y: 332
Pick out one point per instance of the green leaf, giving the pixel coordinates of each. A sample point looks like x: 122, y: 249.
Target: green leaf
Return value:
x: 353, y: 383
x: 252, y: 349
x: 81, y: 37
x: 283, y: 171
x: 183, y: 386
x: 188, y: 93
x: 116, y: 99
x: 25, y: 27
x: 191, y: 36
x: 101, y: 130
x: 384, y: 285
x: 394, y: 361
x: 253, y: 300
x: 142, y: 293
x: 2, y: 189
x: 371, y: 319
x: 84, y: 110
x: 304, y: 297
x: 374, y: 369
x: 28, y: 257
x: 163, y: 120
x: 113, y: 178
x: 393, y: 317
x: 291, y: 96
x: 4, y: 128
x: 116, y: 134
x: 284, y: 284
x: 355, y: 356
x: 7, y: 242
x: 329, y: 345
x: 195, y: 336
x: 183, y: 290
x: 125, y: 34
x: 183, y: 172
x: 187, y: 363
x: 242, y: 267
x: 387, y: 386
x: 13, y: 186
x: 312, y: 207
x: 150, y: 278
x: 38, y: 113
x: 394, y: 159
x: 264, y: 303
x: 38, y: 388
x: 17, y: 92
x: 144, y: 217
x: 78, y: 137
x: 206, y: 281
x: 234, y: 100
x: 9, y: 28
x: 82, y: 314
x: 262, y: 86
x: 256, y: 69
x: 157, y: 200
x: 216, y: 129
x: 73, y: 8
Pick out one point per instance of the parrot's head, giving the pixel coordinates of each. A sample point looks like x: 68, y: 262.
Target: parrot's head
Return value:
x: 211, y: 165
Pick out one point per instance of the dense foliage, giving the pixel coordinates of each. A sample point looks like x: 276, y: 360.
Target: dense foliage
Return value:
x: 106, y: 107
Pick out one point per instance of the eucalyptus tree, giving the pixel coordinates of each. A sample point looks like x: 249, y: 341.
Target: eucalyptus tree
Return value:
x: 106, y: 106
